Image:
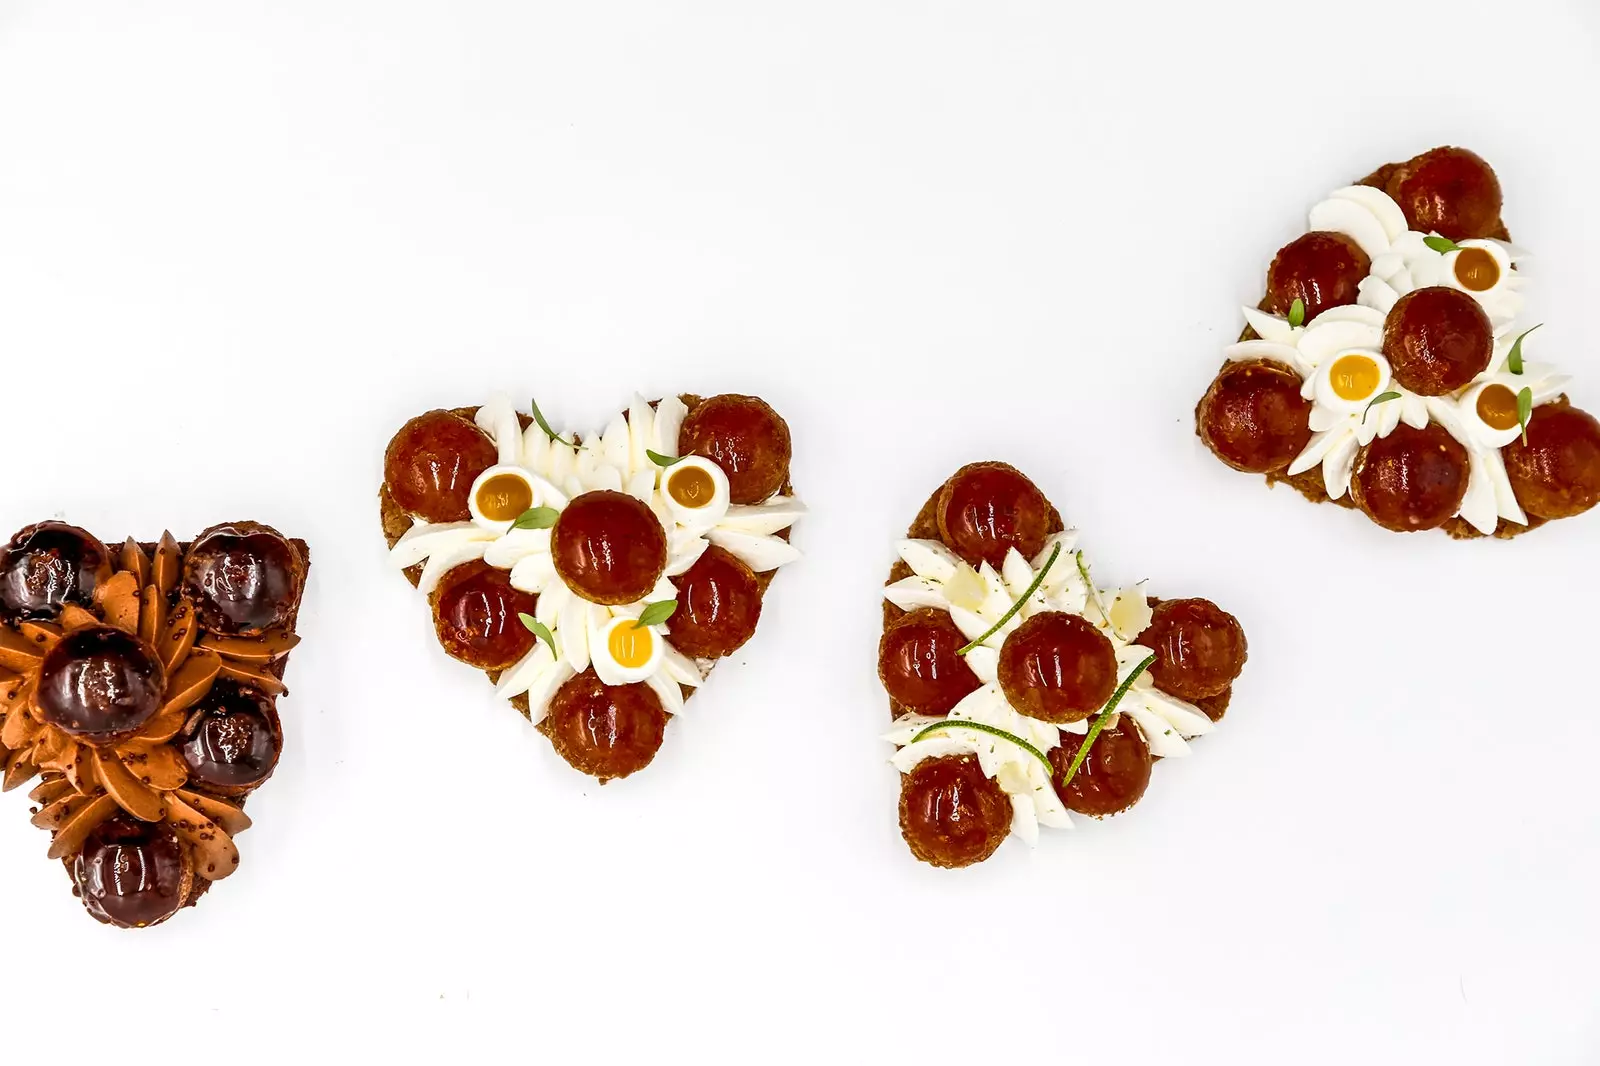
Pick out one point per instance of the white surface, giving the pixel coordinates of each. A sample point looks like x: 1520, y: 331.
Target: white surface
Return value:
x: 240, y: 243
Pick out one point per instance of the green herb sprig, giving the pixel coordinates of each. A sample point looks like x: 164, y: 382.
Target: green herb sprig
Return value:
x: 1105, y: 716
x: 539, y: 629
x: 1514, y: 360
x: 1442, y: 245
x: 1297, y: 312
x: 993, y: 731
x: 655, y: 613
x: 1524, y: 411
x: 538, y: 416
x: 664, y: 461
x: 1038, y: 580
x: 536, y: 518
x: 1383, y: 397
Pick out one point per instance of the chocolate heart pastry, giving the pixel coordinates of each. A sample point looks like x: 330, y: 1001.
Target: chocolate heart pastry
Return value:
x: 1022, y: 690
x: 596, y: 580
x: 1386, y: 368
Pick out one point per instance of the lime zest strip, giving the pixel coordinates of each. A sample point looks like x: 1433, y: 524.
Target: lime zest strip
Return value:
x: 1038, y: 580
x: 1105, y: 716
x: 961, y: 723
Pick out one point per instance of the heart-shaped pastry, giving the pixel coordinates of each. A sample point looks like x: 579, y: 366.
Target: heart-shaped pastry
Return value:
x: 141, y: 687
x: 596, y: 580
x: 1388, y: 367
x: 1020, y: 689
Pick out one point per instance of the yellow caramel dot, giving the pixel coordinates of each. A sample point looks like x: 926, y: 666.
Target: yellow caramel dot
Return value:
x: 1497, y: 406
x: 504, y: 498
x: 631, y: 645
x: 1477, y: 270
x: 691, y: 486
x: 1354, y: 377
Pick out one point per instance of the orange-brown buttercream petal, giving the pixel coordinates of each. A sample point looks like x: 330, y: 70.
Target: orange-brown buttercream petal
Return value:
x: 132, y: 796
x: 152, y: 615
x: 70, y: 837
x: 184, y: 689
x: 52, y: 788
x: 169, y: 560
x: 157, y: 766
x: 74, y: 618
x: 119, y: 602
x: 178, y: 639
x: 134, y: 561
x: 268, y: 648
x: 257, y: 679
x: 215, y: 856
x: 19, y: 769
x: 232, y: 819
x: 17, y: 652
x: 20, y: 730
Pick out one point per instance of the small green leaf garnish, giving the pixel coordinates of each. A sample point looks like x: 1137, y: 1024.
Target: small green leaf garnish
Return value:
x: 1442, y: 245
x: 1514, y: 360
x: 664, y: 461
x: 536, y: 518
x: 992, y: 731
x: 1038, y: 579
x: 539, y: 629
x: 538, y: 416
x: 1105, y: 716
x: 1297, y: 312
x: 1524, y: 411
x: 656, y: 613
x: 1382, y: 397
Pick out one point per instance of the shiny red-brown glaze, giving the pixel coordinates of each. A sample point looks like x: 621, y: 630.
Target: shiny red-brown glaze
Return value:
x: 1413, y: 479
x: 1112, y: 777
x: 1253, y: 416
x: 476, y: 616
x: 950, y: 813
x: 987, y: 508
x: 100, y: 685
x: 1437, y: 339
x: 719, y: 604
x: 918, y: 664
x: 1320, y: 269
x: 431, y: 463
x: 243, y: 578
x: 1450, y: 191
x: 1557, y: 473
x: 609, y: 547
x: 133, y: 874
x: 744, y: 436
x: 605, y: 731
x: 232, y: 739
x: 1057, y: 667
x: 1199, y: 648
x: 47, y: 566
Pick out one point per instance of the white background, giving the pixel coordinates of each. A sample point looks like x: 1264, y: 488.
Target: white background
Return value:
x: 240, y: 243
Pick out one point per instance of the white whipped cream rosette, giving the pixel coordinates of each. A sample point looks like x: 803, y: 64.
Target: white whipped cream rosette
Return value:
x: 635, y: 453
